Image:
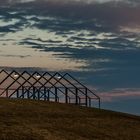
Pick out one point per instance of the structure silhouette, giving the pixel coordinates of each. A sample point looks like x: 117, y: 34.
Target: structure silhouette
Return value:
x: 46, y: 86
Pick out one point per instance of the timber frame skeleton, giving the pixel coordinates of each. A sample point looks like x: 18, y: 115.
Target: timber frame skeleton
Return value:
x: 46, y: 86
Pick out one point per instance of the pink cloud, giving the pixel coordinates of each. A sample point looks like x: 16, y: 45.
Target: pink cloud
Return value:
x: 121, y: 94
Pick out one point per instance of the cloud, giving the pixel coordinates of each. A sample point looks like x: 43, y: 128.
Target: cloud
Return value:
x: 108, y: 13
x: 116, y: 2
x: 120, y: 94
x: 4, y: 2
x: 21, y: 56
x: 111, y: 13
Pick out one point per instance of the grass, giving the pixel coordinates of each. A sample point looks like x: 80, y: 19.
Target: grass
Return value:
x: 39, y: 120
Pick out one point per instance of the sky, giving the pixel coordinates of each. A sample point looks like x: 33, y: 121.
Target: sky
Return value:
x: 106, y: 11
x: 99, y: 42
x: 87, y: 1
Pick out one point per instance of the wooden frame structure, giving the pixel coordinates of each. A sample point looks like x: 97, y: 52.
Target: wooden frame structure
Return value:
x: 46, y: 86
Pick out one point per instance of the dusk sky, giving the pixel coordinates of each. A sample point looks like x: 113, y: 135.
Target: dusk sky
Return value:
x: 97, y: 41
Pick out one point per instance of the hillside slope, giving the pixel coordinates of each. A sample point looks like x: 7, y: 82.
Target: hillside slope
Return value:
x: 39, y: 120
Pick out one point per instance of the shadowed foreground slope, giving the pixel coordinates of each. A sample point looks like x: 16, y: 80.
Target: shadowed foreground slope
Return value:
x: 39, y: 120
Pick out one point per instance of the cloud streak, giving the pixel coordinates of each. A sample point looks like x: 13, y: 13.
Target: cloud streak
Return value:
x: 112, y: 13
x: 120, y: 94
x: 107, y: 13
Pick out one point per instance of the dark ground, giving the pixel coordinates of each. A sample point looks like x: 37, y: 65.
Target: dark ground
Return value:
x: 39, y: 120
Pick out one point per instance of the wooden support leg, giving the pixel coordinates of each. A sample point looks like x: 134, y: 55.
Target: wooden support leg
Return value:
x: 48, y: 96
x: 55, y: 94
x: 76, y: 96
x: 66, y: 95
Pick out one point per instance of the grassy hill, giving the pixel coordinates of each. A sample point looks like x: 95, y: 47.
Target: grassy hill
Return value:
x: 39, y: 120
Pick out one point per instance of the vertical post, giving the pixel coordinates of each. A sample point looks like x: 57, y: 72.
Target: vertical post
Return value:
x: 34, y: 91
x: 48, y: 99
x: 99, y: 103
x: 76, y: 96
x: 38, y: 94
x: 7, y: 93
x: 66, y: 95
x: 55, y: 94
x: 86, y: 99
x: 22, y: 93
x: 45, y: 94
x: 17, y: 93
x: 28, y: 94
